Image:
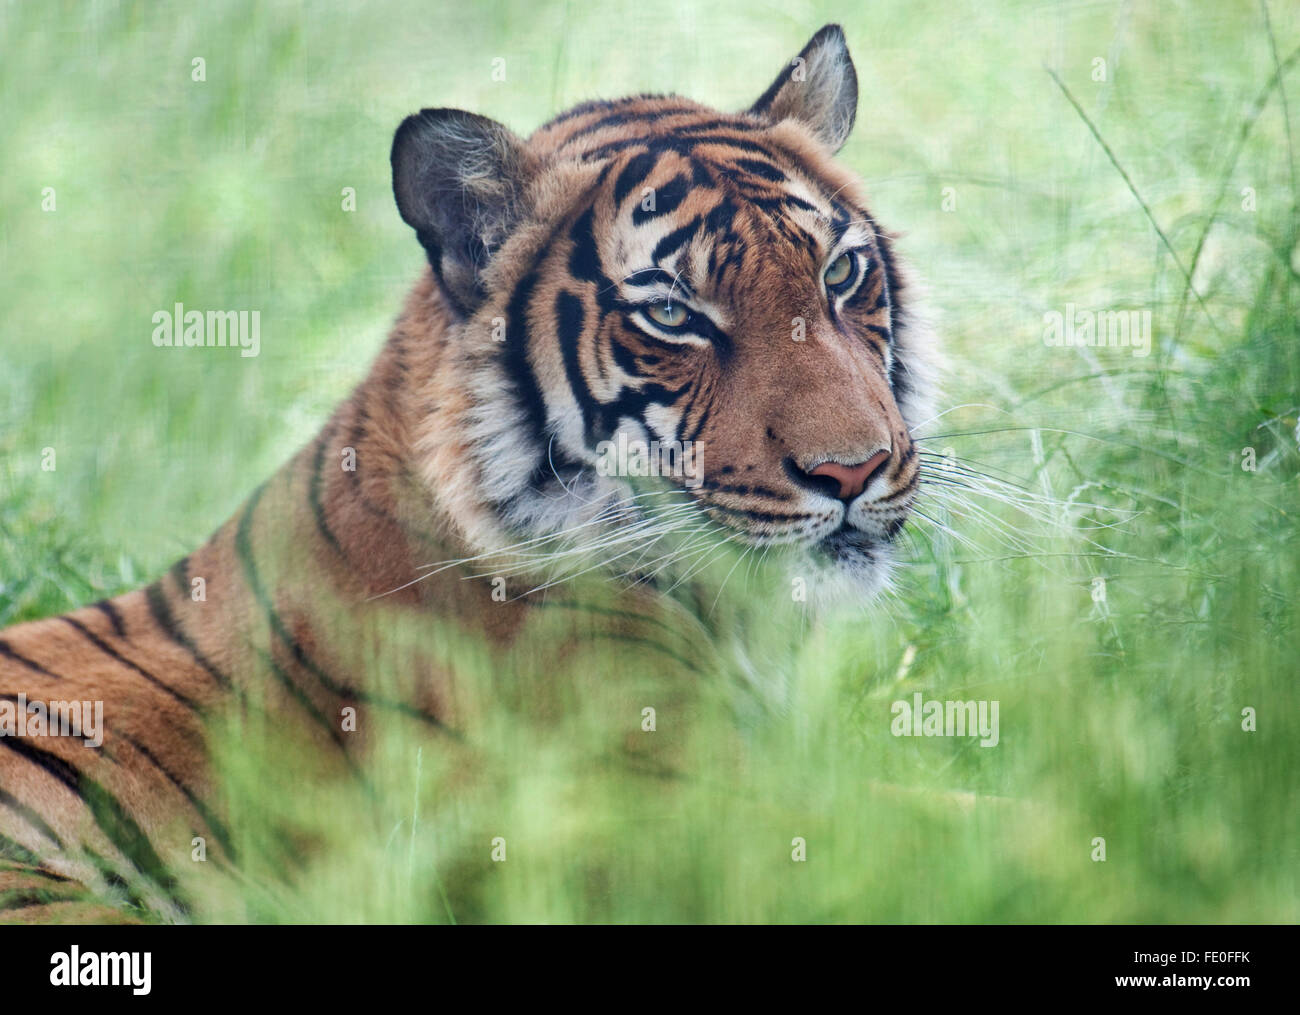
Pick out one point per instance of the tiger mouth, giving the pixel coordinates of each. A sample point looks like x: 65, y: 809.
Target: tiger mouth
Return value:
x: 847, y: 543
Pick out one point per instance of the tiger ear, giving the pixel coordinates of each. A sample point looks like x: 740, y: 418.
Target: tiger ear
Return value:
x: 459, y: 180
x: 819, y: 89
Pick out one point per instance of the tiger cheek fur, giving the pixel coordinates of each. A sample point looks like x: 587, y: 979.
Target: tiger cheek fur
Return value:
x: 646, y: 267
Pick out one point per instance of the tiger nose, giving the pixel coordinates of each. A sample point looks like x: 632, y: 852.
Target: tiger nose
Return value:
x: 853, y: 479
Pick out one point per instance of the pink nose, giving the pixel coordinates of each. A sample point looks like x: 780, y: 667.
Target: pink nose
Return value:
x: 852, y: 478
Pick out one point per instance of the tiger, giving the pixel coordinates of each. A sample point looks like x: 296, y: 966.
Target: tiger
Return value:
x: 636, y: 272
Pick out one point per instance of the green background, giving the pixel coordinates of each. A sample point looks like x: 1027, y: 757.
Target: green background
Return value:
x: 1119, y: 719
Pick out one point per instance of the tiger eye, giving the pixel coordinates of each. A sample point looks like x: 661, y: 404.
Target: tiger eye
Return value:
x: 839, y: 271
x: 667, y: 315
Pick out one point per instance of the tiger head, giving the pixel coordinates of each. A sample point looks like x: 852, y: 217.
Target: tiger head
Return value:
x: 702, y: 293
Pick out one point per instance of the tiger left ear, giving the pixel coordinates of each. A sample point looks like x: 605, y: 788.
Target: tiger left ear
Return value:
x: 459, y: 180
x: 819, y: 89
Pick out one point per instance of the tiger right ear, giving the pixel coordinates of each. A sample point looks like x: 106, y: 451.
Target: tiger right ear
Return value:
x: 459, y: 180
x: 819, y: 88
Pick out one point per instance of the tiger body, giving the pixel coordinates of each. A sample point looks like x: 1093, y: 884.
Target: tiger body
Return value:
x: 537, y: 331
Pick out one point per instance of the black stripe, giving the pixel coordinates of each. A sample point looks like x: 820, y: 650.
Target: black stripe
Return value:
x: 649, y: 276
x: 897, y: 375
x: 793, y: 201
x: 861, y: 293
x: 581, y: 109
x: 686, y: 145
x: 515, y: 359
x: 51, y: 763
x: 730, y: 123
x: 217, y: 827
x: 9, y: 652
x: 744, y: 490
x: 886, y: 256
x: 900, y: 492
x: 863, y: 288
x: 633, y: 174
x: 762, y: 169
x: 27, y: 867
x: 665, y: 200
x: 674, y: 241
x: 32, y: 897
x: 794, y: 232
x: 649, y: 643
x: 682, y: 144
x: 584, y: 261
x: 120, y: 828
x: 300, y: 696
x: 243, y: 547
x: 627, y: 358
x: 83, y: 737
x: 891, y: 269
x: 622, y: 119
x: 606, y: 611
x: 736, y: 258
x: 705, y: 328
x: 569, y: 319
x: 114, y: 617
x: 633, y: 402
x: 90, y: 636
x: 761, y: 516
x: 357, y: 489
x: 30, y: 816
x: 720, y: 216
x: 527, y: 392
x: 699, y: 422
x: 113, y: 878
x: 314, y: 492
x: 166, y: 622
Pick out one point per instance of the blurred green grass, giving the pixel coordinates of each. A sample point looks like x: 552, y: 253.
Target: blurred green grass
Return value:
x: 1122, y: 721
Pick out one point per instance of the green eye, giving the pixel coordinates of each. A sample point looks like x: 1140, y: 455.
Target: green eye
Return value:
x: 667, y: 315
x: 840, y: 271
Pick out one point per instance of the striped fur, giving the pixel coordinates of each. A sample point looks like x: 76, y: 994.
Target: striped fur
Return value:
x: 524, y: 345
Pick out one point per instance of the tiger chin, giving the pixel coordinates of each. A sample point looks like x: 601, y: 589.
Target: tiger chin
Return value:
x: 707, y: 287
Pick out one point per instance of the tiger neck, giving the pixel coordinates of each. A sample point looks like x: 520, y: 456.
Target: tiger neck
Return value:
x: 379, y: 510
x: 394, y: 480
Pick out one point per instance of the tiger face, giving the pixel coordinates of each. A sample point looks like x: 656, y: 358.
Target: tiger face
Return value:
x: 705, y: 291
